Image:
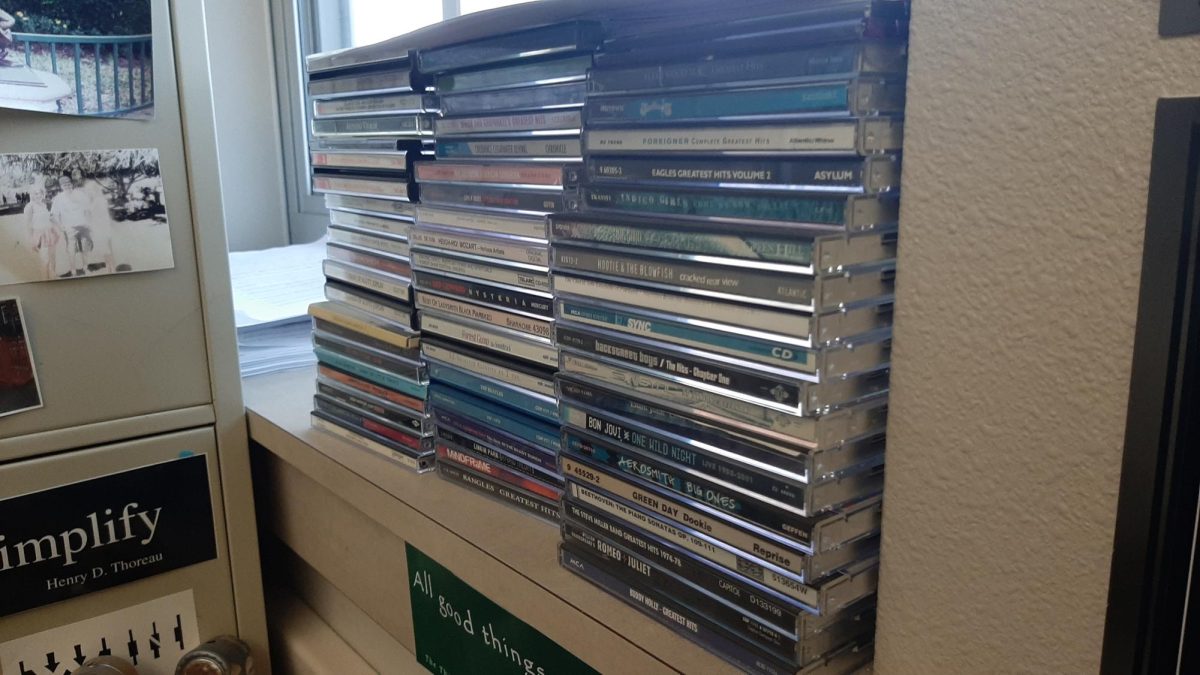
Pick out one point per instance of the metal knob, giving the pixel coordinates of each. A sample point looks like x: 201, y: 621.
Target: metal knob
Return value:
x: 224, y: 655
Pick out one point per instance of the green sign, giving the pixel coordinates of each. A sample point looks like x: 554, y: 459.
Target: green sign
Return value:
x: 461, y: 632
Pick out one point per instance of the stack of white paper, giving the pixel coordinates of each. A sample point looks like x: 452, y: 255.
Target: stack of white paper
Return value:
x: 272, y: 290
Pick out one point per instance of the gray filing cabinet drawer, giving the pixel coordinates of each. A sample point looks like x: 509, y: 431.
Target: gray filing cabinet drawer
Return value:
x: 119, y: 512
x: 115, y: 347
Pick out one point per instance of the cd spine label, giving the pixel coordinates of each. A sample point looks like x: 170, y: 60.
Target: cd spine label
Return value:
x: 384, y: 284
x: 351, y: 382
x: 564, y: 229
x: 488, y: 247
x: 546, y: 72
x: 359, y: 84
x: 358, y: 299
x: 374, y: 224
x: 741, y: 283
x: 501, y: 372
x: 779, y: 354
x: 789, y: 556
x: 789, y: 584
x: 528, y: 429
x: 360, y: 160
x: 497, y: 489
x: 703, y: 490
x: 496, y: 273
x: 405, y: 125
x: 487, y: 315
x: 539, y: 121
x: 342, y: 332
x: 517, y: 148
x: 494, y: 198
x: 676, y: 617
x: 490, y: 390
x: 418, y: 464
x: 359, y: 420
x: 485, y: 467
x: 507, y: 299
x: 350, y: 399
x: 761, y: 480
x: 371, y: 241
x: 517, y: 345
x: 775, y: 391
x: 385, y: 189
x: 514, y: 446
x: 510, y: 173
x: 822, y: 61
x: 722, y: 407
x: 370, y: 373
x: 867, y: 96
x: 478, y: 447
x: 792, y: 324
x: 761, y: 604
x: 621, y: 562
x: 829, y: 137
x: 412, y: 370
x: 790, y: 209
x: 532, y: 227
x: 356, y: 256
x: 374, y: 105
x: 539, y: 97
x: 374, y: 207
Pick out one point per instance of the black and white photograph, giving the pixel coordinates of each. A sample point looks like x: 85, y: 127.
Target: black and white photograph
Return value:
x: 18, y: 377
x: 93, y: 58
x: 68, y: 215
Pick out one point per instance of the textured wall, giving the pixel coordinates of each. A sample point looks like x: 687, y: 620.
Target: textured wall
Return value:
x: 1027, y: 158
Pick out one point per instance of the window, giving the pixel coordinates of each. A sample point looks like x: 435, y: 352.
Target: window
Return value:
x: 304, y: 27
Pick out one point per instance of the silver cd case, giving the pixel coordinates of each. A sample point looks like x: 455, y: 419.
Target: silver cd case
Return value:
x: 802, y: 329
x: 483, y: 222
x: 764, y: 247
x: 497, y: 339
x: 831, y: 429
x: 397, y: 103
x: 864, y: 136
x: 681, y: 366
x: 812, y: 462
x: 517, y: 249
x: 742, y: 346
x: 822, y: 585
x: 731, y: 280
x: 765, y: 481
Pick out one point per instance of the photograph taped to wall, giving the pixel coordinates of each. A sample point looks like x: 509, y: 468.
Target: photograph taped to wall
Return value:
x: 19, y: 390
x: 93, y: 58
x: 67, y: 215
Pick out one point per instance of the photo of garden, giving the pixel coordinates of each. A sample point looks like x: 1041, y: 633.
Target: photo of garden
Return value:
x: 77, y: 57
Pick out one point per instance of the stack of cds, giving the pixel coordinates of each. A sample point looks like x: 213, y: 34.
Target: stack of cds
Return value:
x: 370, y: 128
x: 723, y: 314
x: 508, y: 148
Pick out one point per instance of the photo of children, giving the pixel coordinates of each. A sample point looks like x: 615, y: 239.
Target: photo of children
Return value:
x: 81, y: 214
x: 18, y: 378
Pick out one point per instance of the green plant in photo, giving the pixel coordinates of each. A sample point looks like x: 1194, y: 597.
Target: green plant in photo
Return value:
x: 80, y: 17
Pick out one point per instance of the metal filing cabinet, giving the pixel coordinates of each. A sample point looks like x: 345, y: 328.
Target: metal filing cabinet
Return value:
x: 142, y: 406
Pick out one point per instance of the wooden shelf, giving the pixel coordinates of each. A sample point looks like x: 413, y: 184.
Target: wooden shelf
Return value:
x: 347, y: 512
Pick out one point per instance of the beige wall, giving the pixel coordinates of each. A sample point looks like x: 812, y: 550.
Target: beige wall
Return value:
x: 247, y: 114
x: 1027, y: 158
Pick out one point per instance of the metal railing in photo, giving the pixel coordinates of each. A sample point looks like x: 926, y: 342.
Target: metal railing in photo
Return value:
x: 137, y: 50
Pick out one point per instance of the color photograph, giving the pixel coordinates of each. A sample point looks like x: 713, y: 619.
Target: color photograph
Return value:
x: 18, y: 377
x: 68, y: 215
x: 77, y: 57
